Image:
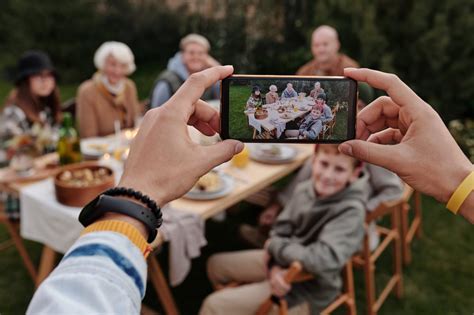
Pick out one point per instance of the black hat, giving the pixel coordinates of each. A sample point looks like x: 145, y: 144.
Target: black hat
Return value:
x: 322, y: 96
x: 33, y: 62
x: 255, y: 88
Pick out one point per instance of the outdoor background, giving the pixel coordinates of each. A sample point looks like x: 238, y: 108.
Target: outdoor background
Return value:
x: 428, y: 43
x: 240, y: 91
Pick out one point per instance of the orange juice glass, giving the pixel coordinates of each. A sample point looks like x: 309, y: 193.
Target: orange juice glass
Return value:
x: 241, y: 160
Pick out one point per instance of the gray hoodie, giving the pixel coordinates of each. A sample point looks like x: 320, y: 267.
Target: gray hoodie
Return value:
x: 322, y: 234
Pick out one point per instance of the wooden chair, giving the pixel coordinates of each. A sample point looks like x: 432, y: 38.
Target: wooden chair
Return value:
x: 366, y: 259
x: 328, y: 127
x: 410, y: 230
x: 296, y: 274
x: 13, y: 228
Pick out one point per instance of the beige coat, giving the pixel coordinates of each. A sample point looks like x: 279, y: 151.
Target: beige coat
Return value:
x: 97, y: 108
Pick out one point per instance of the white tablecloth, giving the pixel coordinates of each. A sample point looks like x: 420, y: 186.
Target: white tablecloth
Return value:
x: 45, y: 220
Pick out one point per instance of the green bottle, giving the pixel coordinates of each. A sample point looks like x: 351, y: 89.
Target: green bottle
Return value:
x: 69, y: 147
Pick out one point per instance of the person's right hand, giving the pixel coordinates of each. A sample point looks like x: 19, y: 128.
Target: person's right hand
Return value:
x: 405, y: 135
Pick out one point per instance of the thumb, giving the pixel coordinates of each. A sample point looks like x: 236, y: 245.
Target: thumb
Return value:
x: 221, y: 152
x: 374, y: 153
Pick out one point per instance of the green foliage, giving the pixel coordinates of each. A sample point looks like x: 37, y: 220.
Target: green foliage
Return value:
x: 428, y: 43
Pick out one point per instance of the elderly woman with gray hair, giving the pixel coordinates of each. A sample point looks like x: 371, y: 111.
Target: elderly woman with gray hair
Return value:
x: 109, y: 96
x: 272, y: 96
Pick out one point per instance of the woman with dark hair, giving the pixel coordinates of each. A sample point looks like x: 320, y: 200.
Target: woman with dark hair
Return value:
x: 31, y: 108
x: 255, y: 100
x: 35, y: 99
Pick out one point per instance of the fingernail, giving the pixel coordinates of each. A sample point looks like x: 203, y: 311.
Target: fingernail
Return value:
x: 238, y: 147
x: 346, y: 149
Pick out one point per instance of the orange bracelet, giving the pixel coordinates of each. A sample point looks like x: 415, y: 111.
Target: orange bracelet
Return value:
x: 124, y: 228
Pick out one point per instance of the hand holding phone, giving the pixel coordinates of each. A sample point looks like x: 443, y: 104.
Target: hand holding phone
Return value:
x: 292, y: 109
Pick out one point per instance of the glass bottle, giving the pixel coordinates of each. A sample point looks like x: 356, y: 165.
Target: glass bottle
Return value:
x: 69, y: 148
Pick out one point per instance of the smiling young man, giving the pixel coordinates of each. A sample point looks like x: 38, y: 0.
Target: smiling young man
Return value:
x: 321, y: 226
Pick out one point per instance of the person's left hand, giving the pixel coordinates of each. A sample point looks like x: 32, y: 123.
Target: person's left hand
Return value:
x: 164, y: 163
x: 279, y: 286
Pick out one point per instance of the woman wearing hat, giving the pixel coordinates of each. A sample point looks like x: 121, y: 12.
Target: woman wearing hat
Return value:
x: 255, y: 99
x: 35, y: 98
x: 33, y: 102
x: 109, y: 96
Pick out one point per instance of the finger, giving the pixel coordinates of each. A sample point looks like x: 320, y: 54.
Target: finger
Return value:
x: 378, y: 115
x: 395, y: 88
x: 204, y: 114
x: 220, y: 152
x: 382, y: 155
x: 191, y: 90
x: 387, y: 136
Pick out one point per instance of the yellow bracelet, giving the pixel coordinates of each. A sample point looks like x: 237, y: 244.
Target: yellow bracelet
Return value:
x: 124, y: 228
x: 461, y: 193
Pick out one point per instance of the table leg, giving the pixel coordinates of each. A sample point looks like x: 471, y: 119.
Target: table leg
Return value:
x: 155, y: 274
x: 48, y: 260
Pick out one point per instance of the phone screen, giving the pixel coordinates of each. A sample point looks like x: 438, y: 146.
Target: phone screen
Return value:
x: 288, y: 109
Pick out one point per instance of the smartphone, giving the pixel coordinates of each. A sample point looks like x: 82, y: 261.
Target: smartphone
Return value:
x: 289, y: 109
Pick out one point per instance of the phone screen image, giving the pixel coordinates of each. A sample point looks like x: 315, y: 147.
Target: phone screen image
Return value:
x: 288, y: 109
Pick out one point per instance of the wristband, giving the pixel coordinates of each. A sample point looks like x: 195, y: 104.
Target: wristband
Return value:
x: 121, y: 227
x: 461, y: 193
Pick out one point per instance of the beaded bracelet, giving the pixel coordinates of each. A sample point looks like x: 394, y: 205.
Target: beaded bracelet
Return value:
x: 129, y: 192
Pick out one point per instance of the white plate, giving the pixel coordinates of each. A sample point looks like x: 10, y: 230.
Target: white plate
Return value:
x: 88, y: 146
x: 226, y: 188
x: 287, y: 154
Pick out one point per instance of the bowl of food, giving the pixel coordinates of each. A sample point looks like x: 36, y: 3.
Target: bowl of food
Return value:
x: 77, y: 184
x: 261, y: 114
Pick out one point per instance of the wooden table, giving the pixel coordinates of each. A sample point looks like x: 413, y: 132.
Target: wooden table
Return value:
x: 254, y: 177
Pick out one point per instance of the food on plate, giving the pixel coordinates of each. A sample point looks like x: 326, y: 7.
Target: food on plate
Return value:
x: 101, y: 147
x: 209, y: 183
x: 285, y: 116
x: 84, y: 177
x: 270, y: 151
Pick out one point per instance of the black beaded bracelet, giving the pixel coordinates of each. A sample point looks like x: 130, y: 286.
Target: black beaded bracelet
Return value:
x: 129, y: 192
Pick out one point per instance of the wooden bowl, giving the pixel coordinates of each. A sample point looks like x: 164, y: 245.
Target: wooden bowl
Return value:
x: 261, y: 114
x: 74, y: 196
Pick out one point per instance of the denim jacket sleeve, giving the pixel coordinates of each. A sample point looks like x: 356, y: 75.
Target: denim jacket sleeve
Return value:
x: 103, y: 272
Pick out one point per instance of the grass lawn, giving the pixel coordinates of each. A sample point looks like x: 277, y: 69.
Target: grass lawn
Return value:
x: 238, y: 122
x: 439, y: 280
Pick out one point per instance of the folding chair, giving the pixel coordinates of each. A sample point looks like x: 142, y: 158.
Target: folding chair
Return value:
x: 367, y: 258
x: 410, y: 230
x: 13, y: 228
x: 296, y: 274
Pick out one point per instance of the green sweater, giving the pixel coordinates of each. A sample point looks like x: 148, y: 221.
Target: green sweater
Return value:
x: 322, y: 234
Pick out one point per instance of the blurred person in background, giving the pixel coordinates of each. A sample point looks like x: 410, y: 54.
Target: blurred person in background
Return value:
x: 31, y: 111
x: 192, y: 57
x: 109, y: 96
x: 327, y: 60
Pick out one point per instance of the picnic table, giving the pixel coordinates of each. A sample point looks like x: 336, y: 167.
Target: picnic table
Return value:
x: 280, y: 114
x: 57, y: 226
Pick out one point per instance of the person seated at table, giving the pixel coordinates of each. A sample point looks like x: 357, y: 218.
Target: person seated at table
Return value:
x: 109, y: 96
x: 326, y: 110
x: 310, y: 127
x: 317, y: 90
x: 272, y: 96
x: 193, y: 57
x: 31, y: 106
x: 255, y: 99
x: 289, y: 92
x: 327, y: 60
x: 322, y: 226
